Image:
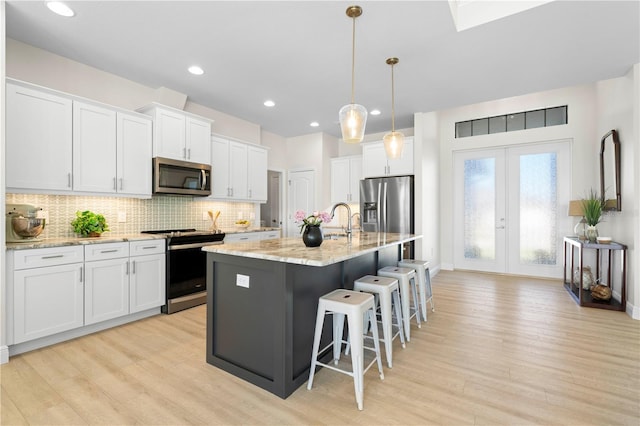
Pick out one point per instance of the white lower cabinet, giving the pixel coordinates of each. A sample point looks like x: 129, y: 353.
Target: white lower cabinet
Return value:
x: 45, y: 292
x: 147, y: 282
x: 106, y: 289
x: 47, y: 301
x: 251, y: 236
x: 53, y: 290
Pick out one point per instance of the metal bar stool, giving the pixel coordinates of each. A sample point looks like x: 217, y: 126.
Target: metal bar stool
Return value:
x: 355, y: 305
x: 407, y: 283
x: 386, y: 293
x: 424, y: 282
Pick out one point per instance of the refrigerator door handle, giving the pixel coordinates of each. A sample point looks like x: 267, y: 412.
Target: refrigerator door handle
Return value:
x: 379, y: 218
x: 384, y: 209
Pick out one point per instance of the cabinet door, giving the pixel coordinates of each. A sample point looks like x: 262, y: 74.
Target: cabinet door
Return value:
x: 38, y: 140
x: 47, y: 301
x: 238, y: 173
x: 94, y: 148
x: 134, y: 147
x: 404, y: 164
x: 374, y: 160
x: 340, y: 180
x: 198, y: 140
x: 355, y: 174
x: 169, y: 137
x: 147, y: 282
x: 257, y: 173
x: 106, y: 290
x: 220, y: 187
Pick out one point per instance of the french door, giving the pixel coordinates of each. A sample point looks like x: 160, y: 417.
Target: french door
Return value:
x: 508, y: 205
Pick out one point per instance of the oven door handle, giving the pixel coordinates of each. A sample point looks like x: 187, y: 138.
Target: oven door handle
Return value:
x: 194, y: 245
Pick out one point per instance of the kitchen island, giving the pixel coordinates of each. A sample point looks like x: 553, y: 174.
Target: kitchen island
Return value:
x: 262, y: 299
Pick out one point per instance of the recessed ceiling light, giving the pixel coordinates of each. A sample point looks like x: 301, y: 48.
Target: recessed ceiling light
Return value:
x: 60, y: 8
x: 269, y: 103
x: 375, y: 112
x: 314, y: 124
x: 196, y: 70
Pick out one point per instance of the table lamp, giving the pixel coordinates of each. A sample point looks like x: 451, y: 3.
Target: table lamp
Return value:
x: 577, y: 209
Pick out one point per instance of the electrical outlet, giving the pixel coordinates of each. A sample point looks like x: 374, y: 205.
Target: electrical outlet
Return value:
x: 122, y: 217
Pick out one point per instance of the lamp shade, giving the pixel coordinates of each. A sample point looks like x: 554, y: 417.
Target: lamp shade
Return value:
x: 393, y: 144
x: 576, y: 208
x: 353, y: 119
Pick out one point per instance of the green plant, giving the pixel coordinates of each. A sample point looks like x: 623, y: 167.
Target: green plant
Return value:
x: 592, y: 208
x: 87, y: 222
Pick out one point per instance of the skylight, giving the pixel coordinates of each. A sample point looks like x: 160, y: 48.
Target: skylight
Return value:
x: 471, y: 13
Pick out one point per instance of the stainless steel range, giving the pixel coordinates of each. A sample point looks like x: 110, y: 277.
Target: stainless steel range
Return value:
x: 186, y: 266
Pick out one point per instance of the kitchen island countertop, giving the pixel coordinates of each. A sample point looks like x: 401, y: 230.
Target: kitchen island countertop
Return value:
x: 293, y: 250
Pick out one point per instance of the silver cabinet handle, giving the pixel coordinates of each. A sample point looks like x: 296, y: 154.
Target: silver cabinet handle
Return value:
x: 115, y: 184
x: 57, y: 256
x: 133, y: 266
x: 250, y: 194
x: 127, y: 268
x: 108, y: 251
x: 148, y: 247
x: 81, y: 274
x: 69, y: 180
x: 189, y: 153
x: 184, y: 153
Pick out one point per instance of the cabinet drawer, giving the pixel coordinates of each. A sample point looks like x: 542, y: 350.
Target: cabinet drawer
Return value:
x: 242, y: 236
x: 141, y: 248
x: 38, y: 258
x: 270, y: 235
x: 105, y: 251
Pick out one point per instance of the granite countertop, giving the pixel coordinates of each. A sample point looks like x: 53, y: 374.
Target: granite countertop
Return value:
x: 293, y: 250
x: 73, y: 241
x: 239, y: 230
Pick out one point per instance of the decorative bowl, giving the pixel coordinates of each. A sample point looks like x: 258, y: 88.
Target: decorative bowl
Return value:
x: 27, y: 227
x: 604, y: 240
x: 242, y: 225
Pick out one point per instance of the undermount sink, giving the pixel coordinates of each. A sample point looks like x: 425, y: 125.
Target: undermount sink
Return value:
x: 334, y: 236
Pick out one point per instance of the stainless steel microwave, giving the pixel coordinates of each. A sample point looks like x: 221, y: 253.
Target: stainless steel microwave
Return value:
x: 181, y: 177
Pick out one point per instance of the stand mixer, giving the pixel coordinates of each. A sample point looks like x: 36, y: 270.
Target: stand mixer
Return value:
x: 23, y: 223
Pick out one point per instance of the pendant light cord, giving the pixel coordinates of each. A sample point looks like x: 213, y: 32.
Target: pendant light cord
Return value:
x: 353, y: 62
x: 393, y: 103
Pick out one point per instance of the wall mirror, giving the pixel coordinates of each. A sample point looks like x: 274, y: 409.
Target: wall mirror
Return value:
x: 610, y: 171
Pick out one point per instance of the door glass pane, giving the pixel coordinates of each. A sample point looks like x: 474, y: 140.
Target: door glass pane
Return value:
x: 538, y: 209
x: 479, y: 209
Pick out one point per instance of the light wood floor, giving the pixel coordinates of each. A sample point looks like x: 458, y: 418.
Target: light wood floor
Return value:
x: 498, y: 350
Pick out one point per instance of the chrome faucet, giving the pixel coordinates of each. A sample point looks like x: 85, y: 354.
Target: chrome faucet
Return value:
x: 333, y: 210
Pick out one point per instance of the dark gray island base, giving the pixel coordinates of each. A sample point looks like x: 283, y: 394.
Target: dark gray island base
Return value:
x: 262, y: 299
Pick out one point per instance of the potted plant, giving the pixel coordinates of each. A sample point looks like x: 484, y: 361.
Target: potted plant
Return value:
x: 592, y: 210
x: 89, y: 224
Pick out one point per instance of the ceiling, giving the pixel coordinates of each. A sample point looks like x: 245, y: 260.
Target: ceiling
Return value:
x: 298, y: 53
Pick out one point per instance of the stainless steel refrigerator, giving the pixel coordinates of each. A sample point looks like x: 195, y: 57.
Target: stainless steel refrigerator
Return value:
x: 386, y: 205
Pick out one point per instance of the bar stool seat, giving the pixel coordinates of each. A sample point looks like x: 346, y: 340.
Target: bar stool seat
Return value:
x: 386, y: 293
x: 355, y: 306
x: 407, y: 283
x: 424, y: 282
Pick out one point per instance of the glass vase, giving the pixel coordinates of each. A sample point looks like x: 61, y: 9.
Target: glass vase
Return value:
x: 592, y: 233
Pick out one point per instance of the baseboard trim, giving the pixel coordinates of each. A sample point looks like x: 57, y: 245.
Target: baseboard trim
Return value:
x: 4, y: 354
x: 77, y: 332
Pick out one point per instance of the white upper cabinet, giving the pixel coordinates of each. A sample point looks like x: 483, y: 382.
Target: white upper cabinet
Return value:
x: 257, y: 173
x: 376, y: 164
x: 239, y: 171
x: 38, y: 140
x: 134, y: 144
x: 179, y: 135
x: 94, y: 148
x: 58, y: 144
x: 346, y: 173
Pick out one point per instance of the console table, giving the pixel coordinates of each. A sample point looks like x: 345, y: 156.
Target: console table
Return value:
x: 604, y: 252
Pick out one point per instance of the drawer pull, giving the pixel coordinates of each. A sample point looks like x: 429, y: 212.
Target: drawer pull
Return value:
x: 57, y: 256
x: 109, y: 251
x: 148, y: 247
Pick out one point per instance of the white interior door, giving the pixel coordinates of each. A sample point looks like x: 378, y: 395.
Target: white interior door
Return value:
x: 301, y: 197
x: 510, y: 209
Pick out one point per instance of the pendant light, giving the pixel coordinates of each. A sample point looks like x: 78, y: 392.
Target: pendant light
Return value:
x: 353, y: 117
x: 393, y: 141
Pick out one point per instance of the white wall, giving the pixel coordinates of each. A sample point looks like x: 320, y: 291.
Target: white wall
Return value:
x: 37, y: 66
x: 4, y: 350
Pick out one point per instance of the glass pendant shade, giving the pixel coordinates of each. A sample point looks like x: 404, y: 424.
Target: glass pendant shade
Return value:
x: 393, y: 144
x: 353, y: 119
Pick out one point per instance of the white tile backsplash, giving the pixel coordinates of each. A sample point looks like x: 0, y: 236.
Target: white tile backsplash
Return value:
x: 159, y: 212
